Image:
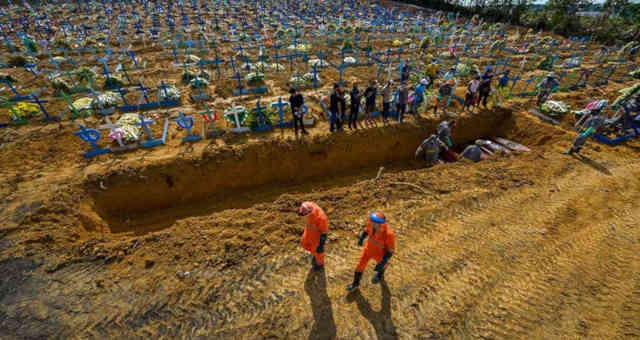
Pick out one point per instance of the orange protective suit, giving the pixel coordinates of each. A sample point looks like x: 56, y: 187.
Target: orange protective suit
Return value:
x: 384, y: 240
x: 317, y: 224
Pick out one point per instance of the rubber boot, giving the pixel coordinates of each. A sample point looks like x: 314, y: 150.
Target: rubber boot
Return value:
x: 356, y: 281
x: 378, y: 277
x: 316, y: 266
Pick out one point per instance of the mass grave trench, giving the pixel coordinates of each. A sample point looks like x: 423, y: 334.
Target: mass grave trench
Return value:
x: 240, y: 176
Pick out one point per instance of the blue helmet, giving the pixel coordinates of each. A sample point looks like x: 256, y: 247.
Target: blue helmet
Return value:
x: 377, y: 217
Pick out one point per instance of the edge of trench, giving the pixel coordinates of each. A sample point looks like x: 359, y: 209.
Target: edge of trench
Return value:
x: 240, y: 172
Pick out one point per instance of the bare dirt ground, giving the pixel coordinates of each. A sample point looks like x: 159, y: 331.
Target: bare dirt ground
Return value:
x: 531, y: 246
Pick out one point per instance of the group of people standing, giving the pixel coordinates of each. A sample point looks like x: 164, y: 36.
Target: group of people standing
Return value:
x: 338, y: 109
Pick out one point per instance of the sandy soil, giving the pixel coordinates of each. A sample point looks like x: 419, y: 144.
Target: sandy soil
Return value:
x: 201, y: 241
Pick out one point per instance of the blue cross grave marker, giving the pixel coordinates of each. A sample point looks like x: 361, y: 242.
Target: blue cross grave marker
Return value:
x: 91, y: 136
x: 186, y: 122
x: 281, y: 105
x: 151, y: 142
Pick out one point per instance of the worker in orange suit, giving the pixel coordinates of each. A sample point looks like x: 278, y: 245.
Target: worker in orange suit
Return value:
x: 315, y: 232
x: 380, y: 247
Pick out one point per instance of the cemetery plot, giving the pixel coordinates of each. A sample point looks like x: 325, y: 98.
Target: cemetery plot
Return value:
x: 151, y: 173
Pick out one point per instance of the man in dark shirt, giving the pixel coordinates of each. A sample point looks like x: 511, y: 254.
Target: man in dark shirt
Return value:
x: 355, y: 107
x: 296, y: 101
x: 370, y: 101
x: 334, y: 107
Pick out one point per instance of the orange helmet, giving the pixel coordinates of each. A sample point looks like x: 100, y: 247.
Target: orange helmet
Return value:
x: 305, y: 209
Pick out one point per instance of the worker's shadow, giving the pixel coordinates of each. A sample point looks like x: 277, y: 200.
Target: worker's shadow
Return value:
x: 324, y: 326
x: 381, y: 321
x: 590, y: 162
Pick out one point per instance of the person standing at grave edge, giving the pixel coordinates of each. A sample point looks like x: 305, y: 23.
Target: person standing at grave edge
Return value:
x: 334, y: 107
x: 343, y: 109
x: 403, y: 98
x: 387, y: 98
x: 355, y: 107
x: 297, y: 100
x: 404, y: 75
x: 485, y: 87
x: 370, y: 102
x: 315, y: 232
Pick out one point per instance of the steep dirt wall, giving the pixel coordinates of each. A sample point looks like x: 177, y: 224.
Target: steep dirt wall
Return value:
x: 227, y: 171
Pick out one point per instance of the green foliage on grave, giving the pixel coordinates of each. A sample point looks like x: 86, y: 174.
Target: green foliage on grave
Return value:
x: 187, y: 76
x: 25, y: 110
x: 113, y: 81
x: 30, y: 45
x: 626, y: 49
x: 425, y: 43
x: 635, y: 74
x: 347, y: 29
x: 626, y: 94
x: 347, y: 44
x: 332, y: 28
x: 85, y: 75
x: 62, y: 43
x: 171, y: 93
x: 60, y: 85
x: 7, y: 77
x: 255, y: 79
x: 268, y: 116
x: 19, y: 60
x: 198, y: 82
x: 497, y: 46
x: 545, y: 63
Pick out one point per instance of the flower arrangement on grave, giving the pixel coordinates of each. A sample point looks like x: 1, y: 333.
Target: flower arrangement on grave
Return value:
x: 255, y: 78
x: 7, y: 77
x: 497, y: 46
x: 628, y: 48
x: 191, y: 59
x: 130, y: 131
x: 349, y: 60
x: 60, y: 60
x: 302, y: 48
x: 358, y: 29
x: 198, y: 82
x: 397, y: 43
x: 635, y: 74
x: 230, y: 117
x: 170, y: 93
x: 106, y: 100
x: 332, y: 28
x: 25, y: 110
x: 82, y: 103
x: 554, y: 107
x: 298, y: 81
x: 19, y: 60
x: 60, y: 85
x: 62, y: 43
x: 242, y: 55
x: 466, y: 68
x: 90, y: 42
x: 425, y: 43
x: 347, y: 44
x: 347, y: 29
x: 318, y: 63
x: 85, y: 75
x: 626, y: 93
x: 253, y: 121
x: 259, y: 66
x: 545, y: 63
x: 309, y: 77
